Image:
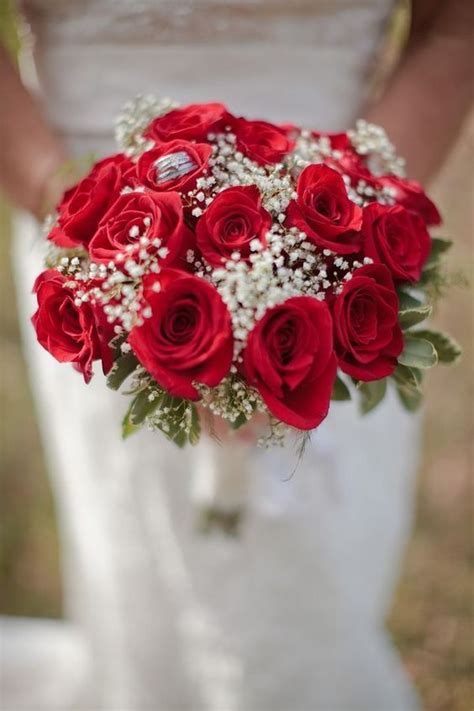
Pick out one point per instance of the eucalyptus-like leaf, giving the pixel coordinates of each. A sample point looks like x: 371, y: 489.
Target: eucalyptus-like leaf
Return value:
x: 407, y: 377
x: 407, y: 300
x: 418, y: 352
x: 371, y: 394
x: 411, y: 317
x: 447, y: 348
x: 410, y: 397
x: 122, y: 368
x: 340, y: 391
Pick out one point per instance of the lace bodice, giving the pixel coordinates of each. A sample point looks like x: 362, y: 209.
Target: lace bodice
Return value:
x: 288, y: 60
x: 201, y: 21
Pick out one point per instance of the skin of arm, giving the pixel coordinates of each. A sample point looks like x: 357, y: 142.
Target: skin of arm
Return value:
x: 30, y: 154
x: 431, y: 91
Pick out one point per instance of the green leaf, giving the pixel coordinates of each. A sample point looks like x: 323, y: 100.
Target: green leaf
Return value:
x: 128, y: 428
x: 410, y: 398
x: 371, y: 394
x: 179, y: 438
x: 195, y: 431
x: 142, y: 406
x: 407, y: 377
x: 447, y: 348
x: 408, y: 382
x: 123, y: 367
x: 340, y: 391
x: 239, y: 422
x: 410, y: 317
x: 438, y: 247
x: 418, y: 353
x: 408, y: 301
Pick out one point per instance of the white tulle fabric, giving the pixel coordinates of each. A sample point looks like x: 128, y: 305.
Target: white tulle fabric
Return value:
x: 289, y: 616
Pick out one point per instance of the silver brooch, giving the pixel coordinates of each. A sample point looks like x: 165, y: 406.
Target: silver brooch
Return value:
x: 173, y: 166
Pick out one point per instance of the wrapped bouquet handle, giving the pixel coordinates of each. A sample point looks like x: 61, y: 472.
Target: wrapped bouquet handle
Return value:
x: 245, y: 266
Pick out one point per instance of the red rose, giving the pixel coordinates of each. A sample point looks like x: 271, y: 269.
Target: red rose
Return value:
x: 186, y: 163
x: 230, y: 223
x: 355, y: 168
x: 140, y: 214
x: 188, y: 337
x: 289, y: 359
x: 397, y: 238
x: 190, y: 123
x: 411, y: 195
x: 368, y: 338
x: 71, y: 333
x: 83, y: 206
x: 324, y: 212
x: 261, y: 141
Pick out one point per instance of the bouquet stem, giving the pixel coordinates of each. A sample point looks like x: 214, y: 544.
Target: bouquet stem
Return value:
x: 220, y: 483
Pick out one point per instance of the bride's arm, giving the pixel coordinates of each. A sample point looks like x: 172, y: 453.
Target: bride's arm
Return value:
x: 432, y: 89
x: 31, y: 153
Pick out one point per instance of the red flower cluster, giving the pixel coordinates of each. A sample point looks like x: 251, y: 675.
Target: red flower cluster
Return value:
x: 163, y: 222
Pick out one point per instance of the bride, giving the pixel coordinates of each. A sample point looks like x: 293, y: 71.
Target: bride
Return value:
x: 289, y: 615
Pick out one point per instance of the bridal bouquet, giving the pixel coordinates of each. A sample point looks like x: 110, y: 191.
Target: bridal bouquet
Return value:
x: 245, y: 266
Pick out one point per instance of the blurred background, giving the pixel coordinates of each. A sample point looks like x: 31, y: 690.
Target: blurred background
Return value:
x: 432, y: 616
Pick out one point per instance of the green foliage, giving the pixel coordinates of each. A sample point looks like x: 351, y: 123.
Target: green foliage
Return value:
x: 144, y: 404
x: 9, y: 28
x: 447, y: 348
x: 340, y: 390
x: 124, y: 366
x: 418, y: 352
x: 407, y: 300
x: 239, y: 422
x: 371, y: 394
x: 195, y: 429
x: 410, y: 399
x: 412, y: 316
x: 439, y: 246
x: 410, y: 377
x: 408, y: 384
x: 128, y: 428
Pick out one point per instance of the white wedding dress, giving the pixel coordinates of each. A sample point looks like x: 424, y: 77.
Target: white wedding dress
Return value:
x: 289, y: 616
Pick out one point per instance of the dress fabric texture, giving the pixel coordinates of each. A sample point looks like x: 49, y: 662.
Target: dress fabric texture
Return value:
x: 289, y: 616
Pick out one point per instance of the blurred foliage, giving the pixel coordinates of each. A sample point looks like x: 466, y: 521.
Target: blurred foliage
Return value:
x: 9, y: 27
x: 432, y: 617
